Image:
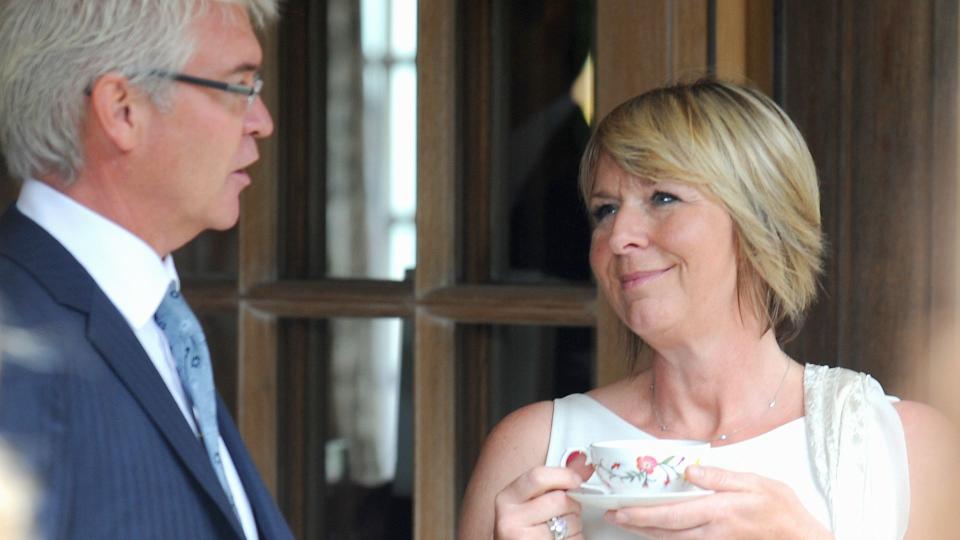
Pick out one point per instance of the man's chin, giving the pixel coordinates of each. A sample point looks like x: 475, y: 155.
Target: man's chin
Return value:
x: 227, y: 218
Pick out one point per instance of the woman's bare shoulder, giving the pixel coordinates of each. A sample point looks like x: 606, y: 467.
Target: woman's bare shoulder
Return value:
x: 524, y: 433
x: 923, y: 424
x: 516, y: 444
x: 933, y: 443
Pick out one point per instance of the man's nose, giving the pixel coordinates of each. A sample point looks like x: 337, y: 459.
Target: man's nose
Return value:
x: 258, y: 121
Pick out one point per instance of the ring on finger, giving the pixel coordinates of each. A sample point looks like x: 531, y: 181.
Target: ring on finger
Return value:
x: 558, y: 526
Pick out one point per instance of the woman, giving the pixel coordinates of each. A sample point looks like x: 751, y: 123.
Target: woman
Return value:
x: 707, y: 245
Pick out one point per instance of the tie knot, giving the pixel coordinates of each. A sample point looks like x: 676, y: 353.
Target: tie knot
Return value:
x: 174, y: 314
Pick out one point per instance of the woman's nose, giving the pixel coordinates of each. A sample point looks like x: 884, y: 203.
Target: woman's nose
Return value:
x: 631, y: 230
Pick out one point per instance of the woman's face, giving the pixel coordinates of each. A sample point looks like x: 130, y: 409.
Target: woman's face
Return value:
x: 664, y: 255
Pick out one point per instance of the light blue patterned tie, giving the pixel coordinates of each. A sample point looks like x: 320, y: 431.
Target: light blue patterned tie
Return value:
x: 189, y: 348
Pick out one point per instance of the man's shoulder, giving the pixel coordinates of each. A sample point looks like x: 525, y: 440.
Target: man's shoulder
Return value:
x: 24, y: 300
x: 36, y: 271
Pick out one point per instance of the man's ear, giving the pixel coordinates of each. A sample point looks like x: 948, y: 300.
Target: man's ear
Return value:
x: 118, y: 109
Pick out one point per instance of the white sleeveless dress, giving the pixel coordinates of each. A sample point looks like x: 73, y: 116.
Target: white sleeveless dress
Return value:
x: 845, y: 460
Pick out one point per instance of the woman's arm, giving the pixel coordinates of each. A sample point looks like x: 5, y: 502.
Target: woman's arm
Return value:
x: 933, y: 456
x: 511, y: 494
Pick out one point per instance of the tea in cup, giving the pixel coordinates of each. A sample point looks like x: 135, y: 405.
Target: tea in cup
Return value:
x: 642, y: 466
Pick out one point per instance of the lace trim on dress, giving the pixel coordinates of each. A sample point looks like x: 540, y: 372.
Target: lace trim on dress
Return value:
x: 852, y: 427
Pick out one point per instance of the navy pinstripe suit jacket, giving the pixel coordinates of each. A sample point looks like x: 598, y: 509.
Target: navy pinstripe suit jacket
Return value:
x: 90, y: 413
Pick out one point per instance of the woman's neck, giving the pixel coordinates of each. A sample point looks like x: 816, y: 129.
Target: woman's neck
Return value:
x: 722, y: 387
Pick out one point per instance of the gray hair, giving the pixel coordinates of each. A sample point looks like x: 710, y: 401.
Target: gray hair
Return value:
x: 51, y: 51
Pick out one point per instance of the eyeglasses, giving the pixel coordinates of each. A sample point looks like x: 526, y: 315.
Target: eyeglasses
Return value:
x: 251, y: 92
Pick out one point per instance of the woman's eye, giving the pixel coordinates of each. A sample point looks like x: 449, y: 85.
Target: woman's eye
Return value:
x: 662, y: 197
x: 600, y: 212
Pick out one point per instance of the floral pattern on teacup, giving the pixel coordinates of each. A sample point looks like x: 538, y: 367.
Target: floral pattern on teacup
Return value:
x: 646, y: 472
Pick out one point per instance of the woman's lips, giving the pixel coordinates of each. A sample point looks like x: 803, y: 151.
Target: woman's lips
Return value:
x: 638, y: 279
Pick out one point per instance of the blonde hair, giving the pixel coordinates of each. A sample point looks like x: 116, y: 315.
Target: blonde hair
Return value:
x: 739, y: 147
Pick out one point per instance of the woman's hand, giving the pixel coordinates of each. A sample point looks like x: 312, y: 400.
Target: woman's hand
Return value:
x: 524, y: 507
x: 511, y: 495
x: 744, y: 506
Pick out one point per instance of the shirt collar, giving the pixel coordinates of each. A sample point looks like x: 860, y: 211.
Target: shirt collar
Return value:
x: 125, y: 268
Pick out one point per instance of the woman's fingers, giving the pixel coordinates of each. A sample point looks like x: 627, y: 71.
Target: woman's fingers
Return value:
x: 573, y: 523
x: 525, y: 506
x: 721, y: 480
x: 537, y: 510
x: 538, y: 481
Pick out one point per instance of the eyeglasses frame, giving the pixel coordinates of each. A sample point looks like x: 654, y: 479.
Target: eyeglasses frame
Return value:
x: 251, y: 92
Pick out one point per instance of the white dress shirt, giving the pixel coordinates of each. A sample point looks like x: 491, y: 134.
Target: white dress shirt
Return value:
x: 135, y: 279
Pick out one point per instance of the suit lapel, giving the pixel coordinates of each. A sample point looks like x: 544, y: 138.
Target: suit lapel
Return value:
x: 25, y: 242
x: 110, y: 334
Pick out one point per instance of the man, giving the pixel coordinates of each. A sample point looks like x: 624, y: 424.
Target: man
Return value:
x: 131, y: 124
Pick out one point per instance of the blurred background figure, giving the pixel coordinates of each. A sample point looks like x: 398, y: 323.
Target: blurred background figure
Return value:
x: 18, y: 498
x: 18, y: 491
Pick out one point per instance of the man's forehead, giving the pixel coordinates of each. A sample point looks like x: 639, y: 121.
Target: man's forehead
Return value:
x: 225, y: 41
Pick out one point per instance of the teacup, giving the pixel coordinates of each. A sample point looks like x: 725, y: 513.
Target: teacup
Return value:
x: 642, y: 466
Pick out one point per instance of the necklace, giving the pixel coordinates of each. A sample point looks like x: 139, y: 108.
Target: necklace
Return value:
x: 723, y: 436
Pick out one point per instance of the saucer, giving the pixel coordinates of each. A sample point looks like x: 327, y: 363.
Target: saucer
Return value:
x: 588, y: 495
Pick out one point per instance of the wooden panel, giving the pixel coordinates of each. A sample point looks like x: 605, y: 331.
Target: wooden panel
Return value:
x: 256, y: 369
x: 873, y: 87
x: 938, y: 383
x: 889, y: 184
x: 478, y: 129
x: 436, y: 148
x: 641, y: 44
x: 473, y: 386
x: 435, y: 500
x: 434, y: 492
x: 258, y: 217
x: 759, y: 47
x: 295, y: 422
x: 478, y: 124
x: 633, y: 49
x: 322, y: 299
x: 514, y: 305
x: 744, y: 41
x: 731, y: 36
x: 498, y: 304
x: 301, y: 169
x: 257, y: 391
x: 811, y: 88
x: 690, y: 39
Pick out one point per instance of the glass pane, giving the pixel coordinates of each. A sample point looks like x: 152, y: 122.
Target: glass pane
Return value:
x: 372, y: 134
x: 212, y: 255
x: 508, y: 367
x: 533, y: 363
x: 542, y: 92
x: 348, y: 430
x: 403, y: 148
x: 403, y: 30
x: 373, y: 19
x: 220, y: 329
x: 503, y: 368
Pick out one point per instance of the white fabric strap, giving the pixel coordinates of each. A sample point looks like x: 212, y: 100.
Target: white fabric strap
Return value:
x: 858, y: 452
